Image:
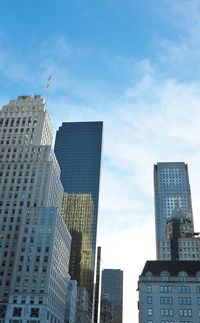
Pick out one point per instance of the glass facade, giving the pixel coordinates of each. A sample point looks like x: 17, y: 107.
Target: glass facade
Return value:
x: 112, y: 285
x: 171, y: 184
x: 78, y: 150
x: 77, y: 212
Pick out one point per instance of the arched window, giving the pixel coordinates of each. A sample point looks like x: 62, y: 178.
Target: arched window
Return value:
x: 182, y: 275
x: 164, y: 275
x: 149, y: 275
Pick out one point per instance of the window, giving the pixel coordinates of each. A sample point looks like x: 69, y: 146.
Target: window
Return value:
x: 185, y: 300
x: 185, y: 312
x: 166, y: 312
x: 17, y: 311
x: 149, y: 288
x: 34, y: 312
x: 149, y: 300
x: 165, y: 289
x: 166, y: 300
x: 183, y: 289
x: 149, y: 311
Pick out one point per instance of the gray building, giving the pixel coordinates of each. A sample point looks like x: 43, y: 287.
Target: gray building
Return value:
x: 83, y: 306
x: 169, y: 292
x: 34, y: 240
x: 171, y: 184
x: 112, y: 285
x: 71, y: 301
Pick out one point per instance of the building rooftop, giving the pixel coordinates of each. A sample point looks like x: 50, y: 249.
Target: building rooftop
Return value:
x: 173, y: 267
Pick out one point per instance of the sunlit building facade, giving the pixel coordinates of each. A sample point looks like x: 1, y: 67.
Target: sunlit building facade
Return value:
x: 34, y: 240
x: 77, y: 212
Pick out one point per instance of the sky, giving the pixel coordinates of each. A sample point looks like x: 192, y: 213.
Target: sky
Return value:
x: 133, y: 64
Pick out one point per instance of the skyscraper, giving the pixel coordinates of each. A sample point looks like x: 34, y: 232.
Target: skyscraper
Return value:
x: 171, y: 184
x: 34, y: 240
x: 78, y: 150
x: 112, y: 285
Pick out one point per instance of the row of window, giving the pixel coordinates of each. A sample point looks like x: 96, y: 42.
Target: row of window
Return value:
x: 168, y: 289
x: 169, y: 300
x: 170, y: 312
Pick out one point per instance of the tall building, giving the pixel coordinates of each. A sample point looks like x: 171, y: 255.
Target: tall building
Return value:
x: 78, y: 150
x: 112, y: 285
x: 34, y: 240
x: 171, y: 184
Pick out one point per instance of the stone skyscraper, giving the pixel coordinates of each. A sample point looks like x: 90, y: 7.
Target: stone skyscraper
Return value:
x: 34, y: 240
x: 171, y: 185
x: 78, y: 150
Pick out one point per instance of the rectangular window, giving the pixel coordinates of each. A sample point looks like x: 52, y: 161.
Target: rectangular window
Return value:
x: 183, y: 289
x: 149, y: 300
x: 185, y: 312
x: 165, y: 289
x: 184, y: 300
x: 149, y: 311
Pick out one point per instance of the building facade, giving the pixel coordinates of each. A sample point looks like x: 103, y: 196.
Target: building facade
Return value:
x: 78, y: 150
x: 106, y: 313
x: 71, y: 301
x: 169, y: 292
x: 83, y: 306
x: 171, y: 184
x: 34, y: 240
x: 77, y: 212
x: 112, y: 285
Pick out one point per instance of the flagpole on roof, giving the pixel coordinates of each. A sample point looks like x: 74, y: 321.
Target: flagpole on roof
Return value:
x: 48, y: 86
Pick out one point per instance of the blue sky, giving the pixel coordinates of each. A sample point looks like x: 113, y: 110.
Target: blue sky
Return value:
x: 136, y: 66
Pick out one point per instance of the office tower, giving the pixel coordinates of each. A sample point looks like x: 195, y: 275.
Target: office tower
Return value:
x: 78, y: 150
x: 34, y: 240
x: 171, y: 184
x: 181, y: 242
x: 97, y: 285
x: 112, y: 285
x: 169, y: 291
x: 77, y: 212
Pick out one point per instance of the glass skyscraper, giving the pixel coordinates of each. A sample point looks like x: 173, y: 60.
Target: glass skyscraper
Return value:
x: 78, y: 150
x: 171, y: 185
x: 112, y: 286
